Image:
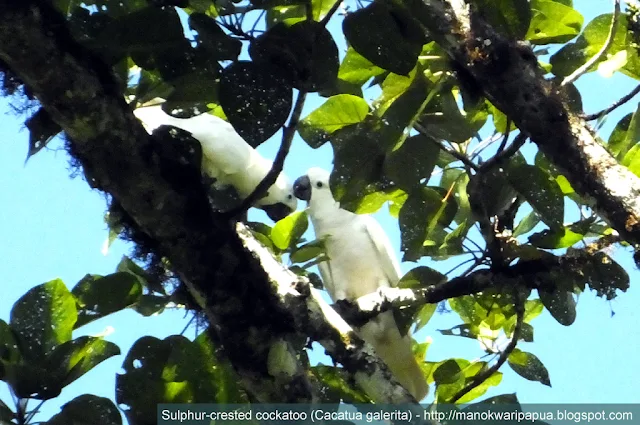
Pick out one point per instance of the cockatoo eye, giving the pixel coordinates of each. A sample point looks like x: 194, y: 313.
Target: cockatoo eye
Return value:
x: 319, y: 184
x: 289, y: 196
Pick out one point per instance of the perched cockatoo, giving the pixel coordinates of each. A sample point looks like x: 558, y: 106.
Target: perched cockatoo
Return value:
x: 361, y: 260
x: 227, y: 157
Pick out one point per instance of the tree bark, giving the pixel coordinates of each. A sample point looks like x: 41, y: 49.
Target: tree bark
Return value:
x: 510, y: 77
x: 261, y: 312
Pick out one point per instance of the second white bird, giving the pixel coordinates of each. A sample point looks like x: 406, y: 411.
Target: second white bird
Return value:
x: 361, y: 260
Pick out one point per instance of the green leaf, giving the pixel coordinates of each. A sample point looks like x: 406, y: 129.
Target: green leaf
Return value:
x: 337, y: 112
x: 511, y: 17
x: 308, y: 251
x: 421, y: 277
x: 72, y: 359
x: 44, y: 318
x: 528, y: 366
x: 304, y: 53
x: 356, y: 69
x: 149, y: 305
x: 573, y: 55
x: 152, y: 283
x: 289, y: 230
x: 561, y: 304
x: 555, y: 239
x: 625, y: 136
x: 99, y: 296
x: 605, y: 276
x: 526, y: 224
x: 411, y: 162
x: 213, y: 38
x: 631, y: 160
x: 173, y: 370
x: 337, y: 384
x: 6, y: 414
x: 87, y: 409
x: 490, y: 193
x: 423, y: 217
x: 256, y: 101
x: 540, y: 190
x: 553, y: 22
x: 388, y: 37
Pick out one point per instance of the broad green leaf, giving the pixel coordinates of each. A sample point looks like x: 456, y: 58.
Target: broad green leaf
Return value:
x: 412, y: 162
x: 288, y: 231
x: 308, y: 251
x: 44, y: 318
x: 337, y: 385
x: 573, y: 55
x: 532, y: 309
x: 337, y: 112
x: 422, y: 220
x: 526, y: 224
x: 387, y: 36
x: 625, y: 136
x: 561, y: 304
x: 87, y: 409
x: 421, y: 277
x: 605, y: 276
x: 149, y: 305
x: 173, y: 370
x: 303, y: 53
x: 511, y: 17
x: 490, y: 193
x: 212, y: 37
x: 468, y: 309
x: 6, y: 414
x: 99, y: 296
x: 257, y: 101
x: 555, y: 239
x: 356, y: 69
x: 540, y: 190
x: 631, y: 160
x: 72, y: 359
x: 528, y: 366
x: 553, y: 22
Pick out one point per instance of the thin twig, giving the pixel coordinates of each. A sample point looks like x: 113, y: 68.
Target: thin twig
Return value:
x: 330, y: 13
x: 605, y: 47
x: 486, y: 374
x: 615, y: 105
x: 459, y: 156
x: 518, y: 142
x: 278, y: 162
x: 505, y: 138
x: 309, y: 10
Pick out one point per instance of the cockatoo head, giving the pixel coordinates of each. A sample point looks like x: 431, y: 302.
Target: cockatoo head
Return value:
x: 314, y: 188
x: 280, y: 200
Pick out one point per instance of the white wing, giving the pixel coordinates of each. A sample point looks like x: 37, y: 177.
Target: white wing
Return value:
x: 384, y: 251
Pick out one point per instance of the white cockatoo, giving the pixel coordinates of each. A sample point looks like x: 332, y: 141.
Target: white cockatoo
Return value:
x: 361, y: 260
x: 227, y: 157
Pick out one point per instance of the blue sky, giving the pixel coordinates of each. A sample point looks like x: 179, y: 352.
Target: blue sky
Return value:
x: 52, y: 226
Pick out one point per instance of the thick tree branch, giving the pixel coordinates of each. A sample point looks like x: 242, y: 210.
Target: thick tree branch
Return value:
x: 510, y: 77
x: 258, y: 309
x: 532, y: 274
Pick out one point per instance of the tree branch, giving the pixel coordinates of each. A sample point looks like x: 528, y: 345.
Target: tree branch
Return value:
x: 532, y: 274
x: 510, y: 77
x: 605, y: 47
x: 624, y: 99
x: 278, y: 163
x: 253, y: 304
